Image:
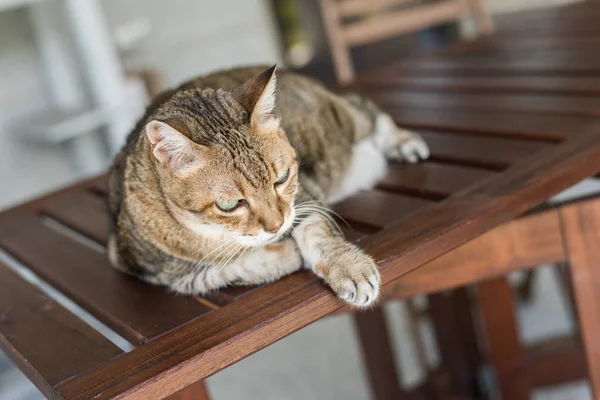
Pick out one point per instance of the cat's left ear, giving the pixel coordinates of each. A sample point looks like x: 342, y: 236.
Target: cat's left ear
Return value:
x: 257, y: 96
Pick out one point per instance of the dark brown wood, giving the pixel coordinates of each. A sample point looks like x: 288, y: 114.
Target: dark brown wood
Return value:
x: 588, y: 63
x: 364, y: 211
x: 449, y: 342
x: 377, y: 354
x: 581, y: 228
x: 514, y: 102
x: 547, y: 127
x: 562, y: 84
x: 46, y: 341
x: 431, y: 180
x: 480, y: 151
x: 556, y: 361
x: 467, y: 331
x: 83, y: 212
x: 196, y: 391
x: 136, y: 310
x: 505, y: 352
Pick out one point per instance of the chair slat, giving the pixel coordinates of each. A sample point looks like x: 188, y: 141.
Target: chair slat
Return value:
x: 83, y: 212
x: 45, y: 340
x: 498, y: 123
x: 480, y: 151
x: 134, y: 309
x: 350, y: 8
x: 403, y: 21
x: 374, y: 209
x: 432, y: 180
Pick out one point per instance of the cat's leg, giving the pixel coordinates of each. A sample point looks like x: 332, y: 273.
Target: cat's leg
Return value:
x: 351, y: 274
x: 251, y: 266
x: 372, y: 123
x: 396, y: 143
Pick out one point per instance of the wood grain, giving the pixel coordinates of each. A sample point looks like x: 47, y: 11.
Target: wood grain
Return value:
x: 581, y: 224
x: 517, y: 245
x: 365, y: 209
x: 554, y: 128
x: 46, y: 341
x: 83, y: 212
x: 506, y: 355
x: 513, y: 102
x: 135, y: 310
x: 378, y: 355
x: 527, y: 84
x: 431, y: 180
x: 480, y: 151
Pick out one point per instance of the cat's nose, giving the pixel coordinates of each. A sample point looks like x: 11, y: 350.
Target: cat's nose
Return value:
x: 274, y: 228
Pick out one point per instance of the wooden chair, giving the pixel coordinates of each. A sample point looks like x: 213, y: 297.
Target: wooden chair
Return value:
x: 511, y: 119
x: 375, y: 20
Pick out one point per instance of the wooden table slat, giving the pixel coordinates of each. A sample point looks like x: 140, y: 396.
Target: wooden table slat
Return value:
x: 431, y: 180
x: 480, y: 151
x: 492, y: 123
x: 135, y: 310
x: 373, y: 209
x: 533, y: 83
x: 83, y: 212
x: 513, y: 102
x: 45, y: 340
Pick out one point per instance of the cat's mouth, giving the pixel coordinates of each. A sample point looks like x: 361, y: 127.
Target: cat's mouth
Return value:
x: 265, y: 238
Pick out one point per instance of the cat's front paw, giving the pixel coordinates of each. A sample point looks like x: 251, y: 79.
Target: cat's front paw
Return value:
x: 413, y: 149
x: 353, y: 276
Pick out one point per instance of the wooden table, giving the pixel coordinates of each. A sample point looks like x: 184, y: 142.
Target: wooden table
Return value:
x: 511, y: 119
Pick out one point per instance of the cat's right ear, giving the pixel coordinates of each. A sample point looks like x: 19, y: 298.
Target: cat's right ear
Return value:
x: 171, y: 147
x: 257, y: 96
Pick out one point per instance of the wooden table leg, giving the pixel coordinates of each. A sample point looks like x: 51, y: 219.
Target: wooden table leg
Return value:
x: 377, y: 352
x: 196, y: 391
x: 506, y: 355
x: 450, y: 313
x: 581, y: 230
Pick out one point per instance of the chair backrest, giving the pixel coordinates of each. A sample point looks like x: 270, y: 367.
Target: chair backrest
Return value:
x: 345, y: 28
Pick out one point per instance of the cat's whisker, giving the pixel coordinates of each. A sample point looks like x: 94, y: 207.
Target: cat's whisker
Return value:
x: 332, y: 212
x: 225, y: 245
x: 230, y: 254
x: 323, y: 213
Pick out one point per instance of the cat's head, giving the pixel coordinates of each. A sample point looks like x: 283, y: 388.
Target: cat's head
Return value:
x: 225, y: 165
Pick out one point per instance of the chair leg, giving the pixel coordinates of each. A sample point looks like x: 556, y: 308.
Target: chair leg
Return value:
x: 196, y: 391
x: 338, y: 47
x: 581, y: 230
x: 377, y: 352
x: 506, y: 355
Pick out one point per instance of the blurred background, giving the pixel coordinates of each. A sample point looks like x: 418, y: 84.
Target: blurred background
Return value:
x: 76, y: 74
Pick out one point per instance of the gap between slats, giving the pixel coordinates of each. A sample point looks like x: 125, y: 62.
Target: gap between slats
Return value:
x: 136, y: 310
x: 69, y: 346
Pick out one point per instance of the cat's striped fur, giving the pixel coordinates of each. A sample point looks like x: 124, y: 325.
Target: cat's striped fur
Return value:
x: 226, y: 137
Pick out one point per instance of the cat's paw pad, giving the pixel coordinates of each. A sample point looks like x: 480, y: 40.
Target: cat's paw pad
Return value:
x: 356, y: 280
x: 411, y: 150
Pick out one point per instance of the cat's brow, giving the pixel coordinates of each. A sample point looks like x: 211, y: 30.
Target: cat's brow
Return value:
x: 227, y: 189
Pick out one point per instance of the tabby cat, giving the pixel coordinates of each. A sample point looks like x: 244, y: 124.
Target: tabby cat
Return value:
x: 220, y: 184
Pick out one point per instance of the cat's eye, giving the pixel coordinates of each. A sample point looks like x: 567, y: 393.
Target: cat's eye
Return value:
x: 228, y: 205
x: 283, y: 178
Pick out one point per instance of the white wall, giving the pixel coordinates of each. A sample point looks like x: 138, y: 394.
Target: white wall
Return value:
x: 188, y: 37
